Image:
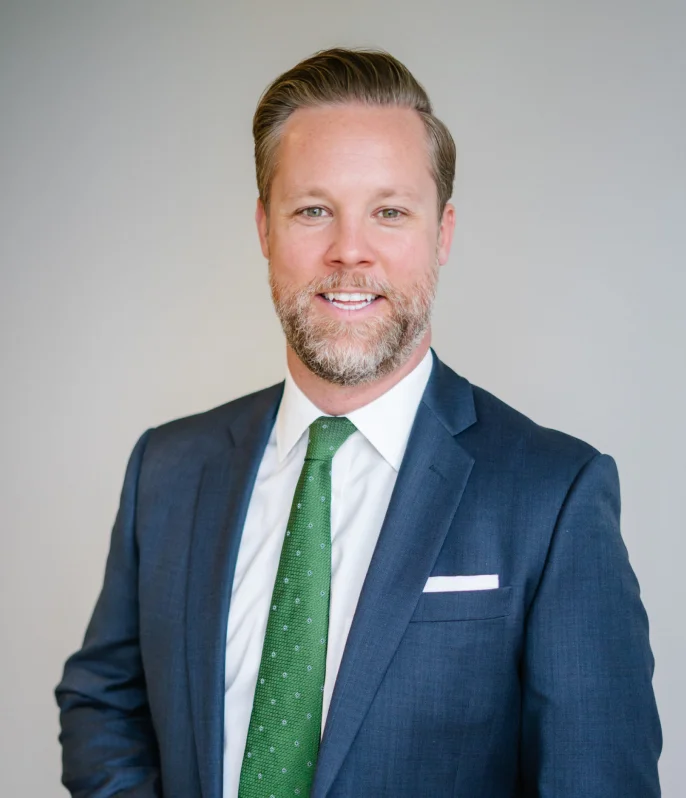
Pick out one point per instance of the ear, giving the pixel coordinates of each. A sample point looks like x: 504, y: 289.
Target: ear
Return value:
x: 445, y: 234
x: 262, y: 222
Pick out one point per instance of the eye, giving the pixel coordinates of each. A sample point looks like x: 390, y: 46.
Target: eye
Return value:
x: 315, y: 212
x: 390, y: 213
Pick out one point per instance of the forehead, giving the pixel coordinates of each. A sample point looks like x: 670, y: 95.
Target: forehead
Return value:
x: 332, y: 141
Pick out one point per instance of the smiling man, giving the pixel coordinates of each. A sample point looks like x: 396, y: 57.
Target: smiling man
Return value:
x: 373, y: 579
x: 355, y: 230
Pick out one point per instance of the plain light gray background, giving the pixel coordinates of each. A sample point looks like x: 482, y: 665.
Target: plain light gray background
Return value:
x: 133, y: 290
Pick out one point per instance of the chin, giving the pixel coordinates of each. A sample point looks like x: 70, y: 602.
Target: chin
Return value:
x: 356, y: 351
x: 353, y: 363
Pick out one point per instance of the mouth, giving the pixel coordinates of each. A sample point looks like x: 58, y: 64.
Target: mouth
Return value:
x: 345, y: 300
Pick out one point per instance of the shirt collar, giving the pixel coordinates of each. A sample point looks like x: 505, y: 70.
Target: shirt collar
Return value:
x: 386, y: 422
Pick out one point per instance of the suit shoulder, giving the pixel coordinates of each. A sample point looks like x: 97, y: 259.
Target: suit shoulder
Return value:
x: 502, y: 428
x: 208, y: 429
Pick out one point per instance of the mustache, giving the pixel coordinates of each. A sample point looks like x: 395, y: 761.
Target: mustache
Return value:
x: 341, y: 279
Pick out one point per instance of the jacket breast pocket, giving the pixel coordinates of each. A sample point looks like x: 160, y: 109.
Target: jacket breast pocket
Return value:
x: 463, y: 605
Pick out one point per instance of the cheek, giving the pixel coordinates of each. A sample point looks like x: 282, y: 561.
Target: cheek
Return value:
x: 404, y: 257
x: 295, y: 256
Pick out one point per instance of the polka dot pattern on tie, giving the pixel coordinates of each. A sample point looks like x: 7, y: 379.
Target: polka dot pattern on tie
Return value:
x: 283, y: 736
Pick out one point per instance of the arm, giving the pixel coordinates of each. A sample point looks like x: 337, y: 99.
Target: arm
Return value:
x: 590, y: 727
x: 108, y: 742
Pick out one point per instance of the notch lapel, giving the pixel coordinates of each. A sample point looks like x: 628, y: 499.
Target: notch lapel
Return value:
x: 222, y: 504
x: 427, y: 492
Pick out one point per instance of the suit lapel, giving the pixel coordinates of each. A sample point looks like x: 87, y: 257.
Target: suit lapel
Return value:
x: 222, y: 505
x: 427, y: 492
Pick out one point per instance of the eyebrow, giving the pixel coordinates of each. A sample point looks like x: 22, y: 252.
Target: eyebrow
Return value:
x: 382, y: 194
x: 403, y: 191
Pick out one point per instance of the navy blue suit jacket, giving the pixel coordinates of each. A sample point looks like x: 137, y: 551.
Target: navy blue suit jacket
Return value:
x: 539, y: 688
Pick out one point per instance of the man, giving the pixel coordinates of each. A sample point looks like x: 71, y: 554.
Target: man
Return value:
x: 375, y: 579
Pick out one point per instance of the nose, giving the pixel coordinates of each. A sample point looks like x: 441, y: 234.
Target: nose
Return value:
x: 349, y: 246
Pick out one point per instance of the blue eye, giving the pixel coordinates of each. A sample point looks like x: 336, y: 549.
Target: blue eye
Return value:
x: 313, y: 213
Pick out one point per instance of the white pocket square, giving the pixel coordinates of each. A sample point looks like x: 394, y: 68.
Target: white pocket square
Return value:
x: 450, y: 584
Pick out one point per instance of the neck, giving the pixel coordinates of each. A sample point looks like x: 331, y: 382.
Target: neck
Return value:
x: 337, y: 400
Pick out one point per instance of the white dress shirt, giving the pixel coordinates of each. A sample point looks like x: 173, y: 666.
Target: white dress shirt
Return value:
x: 364, y: 471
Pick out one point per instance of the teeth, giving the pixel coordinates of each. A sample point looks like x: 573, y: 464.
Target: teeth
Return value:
x: 339, y: 297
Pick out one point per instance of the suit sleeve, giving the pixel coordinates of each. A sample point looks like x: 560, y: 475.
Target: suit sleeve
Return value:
x: 108, y: 742
x: 590, y: 727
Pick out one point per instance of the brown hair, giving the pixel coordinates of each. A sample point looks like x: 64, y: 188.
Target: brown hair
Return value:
x: 338, y: 76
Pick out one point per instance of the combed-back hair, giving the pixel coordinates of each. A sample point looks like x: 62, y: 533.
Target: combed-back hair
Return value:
x: 340, y: 76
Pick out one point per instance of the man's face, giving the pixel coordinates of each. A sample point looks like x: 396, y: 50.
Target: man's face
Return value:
x: 353, y: 239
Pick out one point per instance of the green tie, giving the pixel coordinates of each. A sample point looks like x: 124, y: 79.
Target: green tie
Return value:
x: 283, y: 736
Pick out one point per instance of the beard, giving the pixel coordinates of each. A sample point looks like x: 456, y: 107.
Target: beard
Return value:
x: 356, y: 351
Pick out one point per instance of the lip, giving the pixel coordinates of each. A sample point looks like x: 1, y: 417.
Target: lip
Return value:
x: 348, y: 291
x: 331, y: 308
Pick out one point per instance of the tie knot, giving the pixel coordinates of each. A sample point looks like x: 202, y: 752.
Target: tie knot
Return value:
x: 327, y: 435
